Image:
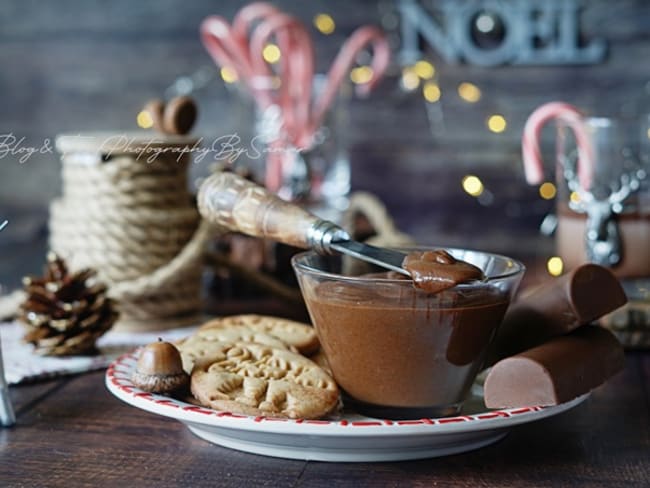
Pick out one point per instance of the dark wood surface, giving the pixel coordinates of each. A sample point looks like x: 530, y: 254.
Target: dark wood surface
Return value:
x: 73, y: 432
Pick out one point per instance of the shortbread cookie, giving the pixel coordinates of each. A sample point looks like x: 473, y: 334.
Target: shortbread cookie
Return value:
x: 302, y: 336
x: 320, y: 359
x: 253, y: 379
x: 206, y: 342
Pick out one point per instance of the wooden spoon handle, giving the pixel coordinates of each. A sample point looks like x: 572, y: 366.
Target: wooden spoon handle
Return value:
x: 237, y: 204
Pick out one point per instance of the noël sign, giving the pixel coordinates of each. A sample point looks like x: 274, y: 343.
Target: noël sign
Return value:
x: 496, y: 32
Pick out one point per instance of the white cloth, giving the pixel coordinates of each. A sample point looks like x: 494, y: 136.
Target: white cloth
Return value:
x: 22, y: 365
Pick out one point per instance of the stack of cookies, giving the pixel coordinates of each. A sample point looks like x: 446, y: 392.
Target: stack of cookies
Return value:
x: 259, y: 365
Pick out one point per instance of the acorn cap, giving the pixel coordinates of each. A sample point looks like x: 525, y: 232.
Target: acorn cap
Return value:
x: 162, y: 384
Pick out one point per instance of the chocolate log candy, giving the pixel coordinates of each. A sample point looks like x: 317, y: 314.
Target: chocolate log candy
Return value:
x: 555, y: 372
x: 555, y: 308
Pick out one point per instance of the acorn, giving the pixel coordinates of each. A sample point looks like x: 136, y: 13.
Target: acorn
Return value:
x: 160, y: 369
x: 176, y: 117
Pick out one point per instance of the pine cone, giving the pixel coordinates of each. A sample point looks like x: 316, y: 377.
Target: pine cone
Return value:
x: 65, y: 313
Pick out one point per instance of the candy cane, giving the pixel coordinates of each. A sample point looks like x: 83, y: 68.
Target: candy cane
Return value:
x: 346, y: 58
x: 296, y: 70
x: 247, y: 15
x: 218, y: 40
x: 530, y: 143
x: 296, y: 73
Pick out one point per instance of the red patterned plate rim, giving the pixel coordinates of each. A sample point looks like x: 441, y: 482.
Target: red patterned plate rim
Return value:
x: 118, y: 381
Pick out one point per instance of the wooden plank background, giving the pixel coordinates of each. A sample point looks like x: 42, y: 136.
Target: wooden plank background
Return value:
x: 75, y: 65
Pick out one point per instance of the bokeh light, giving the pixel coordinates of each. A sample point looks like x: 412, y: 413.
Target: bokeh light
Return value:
x: 555, y: 266
x: 271, y: 53
x: 424, y: 69
x: 472, y: 185
x: 497, y: 123
x: 144, y: 119
x: 410, y: 80
x: 228, y: 74
x: 324, y: 23
x: 361, y: 75
x: 547, y: 190
x: 469, y: 92
x: 431, y: 92
x: 485, y: 23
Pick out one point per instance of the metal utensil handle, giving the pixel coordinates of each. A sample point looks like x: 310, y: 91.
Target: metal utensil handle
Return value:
x: 7, y: 415
x: 238, y: 205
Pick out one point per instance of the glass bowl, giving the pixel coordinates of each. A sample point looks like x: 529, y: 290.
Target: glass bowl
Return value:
x: 396, y: 351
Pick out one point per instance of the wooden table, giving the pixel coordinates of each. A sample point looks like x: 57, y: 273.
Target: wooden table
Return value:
x: 73, y: 432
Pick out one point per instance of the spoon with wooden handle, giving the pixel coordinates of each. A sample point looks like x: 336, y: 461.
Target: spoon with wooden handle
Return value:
x: 236, y: 204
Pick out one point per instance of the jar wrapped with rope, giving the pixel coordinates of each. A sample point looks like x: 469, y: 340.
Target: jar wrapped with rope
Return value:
x: 126, y: 211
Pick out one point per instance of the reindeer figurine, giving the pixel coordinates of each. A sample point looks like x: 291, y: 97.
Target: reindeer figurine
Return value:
x: 602, y: 237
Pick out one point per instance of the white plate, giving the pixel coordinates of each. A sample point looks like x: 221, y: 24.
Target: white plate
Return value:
x: 350, y: 438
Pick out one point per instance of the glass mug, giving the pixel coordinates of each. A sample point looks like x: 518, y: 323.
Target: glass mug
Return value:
x: 607, y: 223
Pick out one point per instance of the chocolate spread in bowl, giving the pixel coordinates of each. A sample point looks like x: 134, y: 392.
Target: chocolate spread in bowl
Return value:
x: 395, y: 345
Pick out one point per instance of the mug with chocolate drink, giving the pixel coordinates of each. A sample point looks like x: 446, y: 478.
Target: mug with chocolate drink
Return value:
x: 612, y: 212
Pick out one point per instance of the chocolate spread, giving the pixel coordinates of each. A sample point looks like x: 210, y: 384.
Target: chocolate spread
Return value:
x: 392, y: 344
x: 434, y: 271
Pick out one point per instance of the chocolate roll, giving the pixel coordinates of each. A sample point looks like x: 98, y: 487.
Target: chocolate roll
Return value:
x: 555, y: 308
x: 555, y: 372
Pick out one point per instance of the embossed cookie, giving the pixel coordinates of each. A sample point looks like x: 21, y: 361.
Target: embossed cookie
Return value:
x: 301, y: 336
x: 254, y: 379
x: 320, y: 359
x: 206, y: 342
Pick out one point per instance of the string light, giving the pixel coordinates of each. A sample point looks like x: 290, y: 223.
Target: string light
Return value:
x: 469, y: 92
x: 497, y: 123
x: 472, y: 185
x: 361, y: 75
x: 228, y: 75
x: 144, y: 120
x: 410, y: 80
x: 547, y: 190
x: 324, y: 23
x: 424, y: 69
x: 271, y: 53
x: 431, y: 92
x: 555, y: 266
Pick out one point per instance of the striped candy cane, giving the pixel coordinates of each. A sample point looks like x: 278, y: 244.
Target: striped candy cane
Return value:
x: 530, y: 143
